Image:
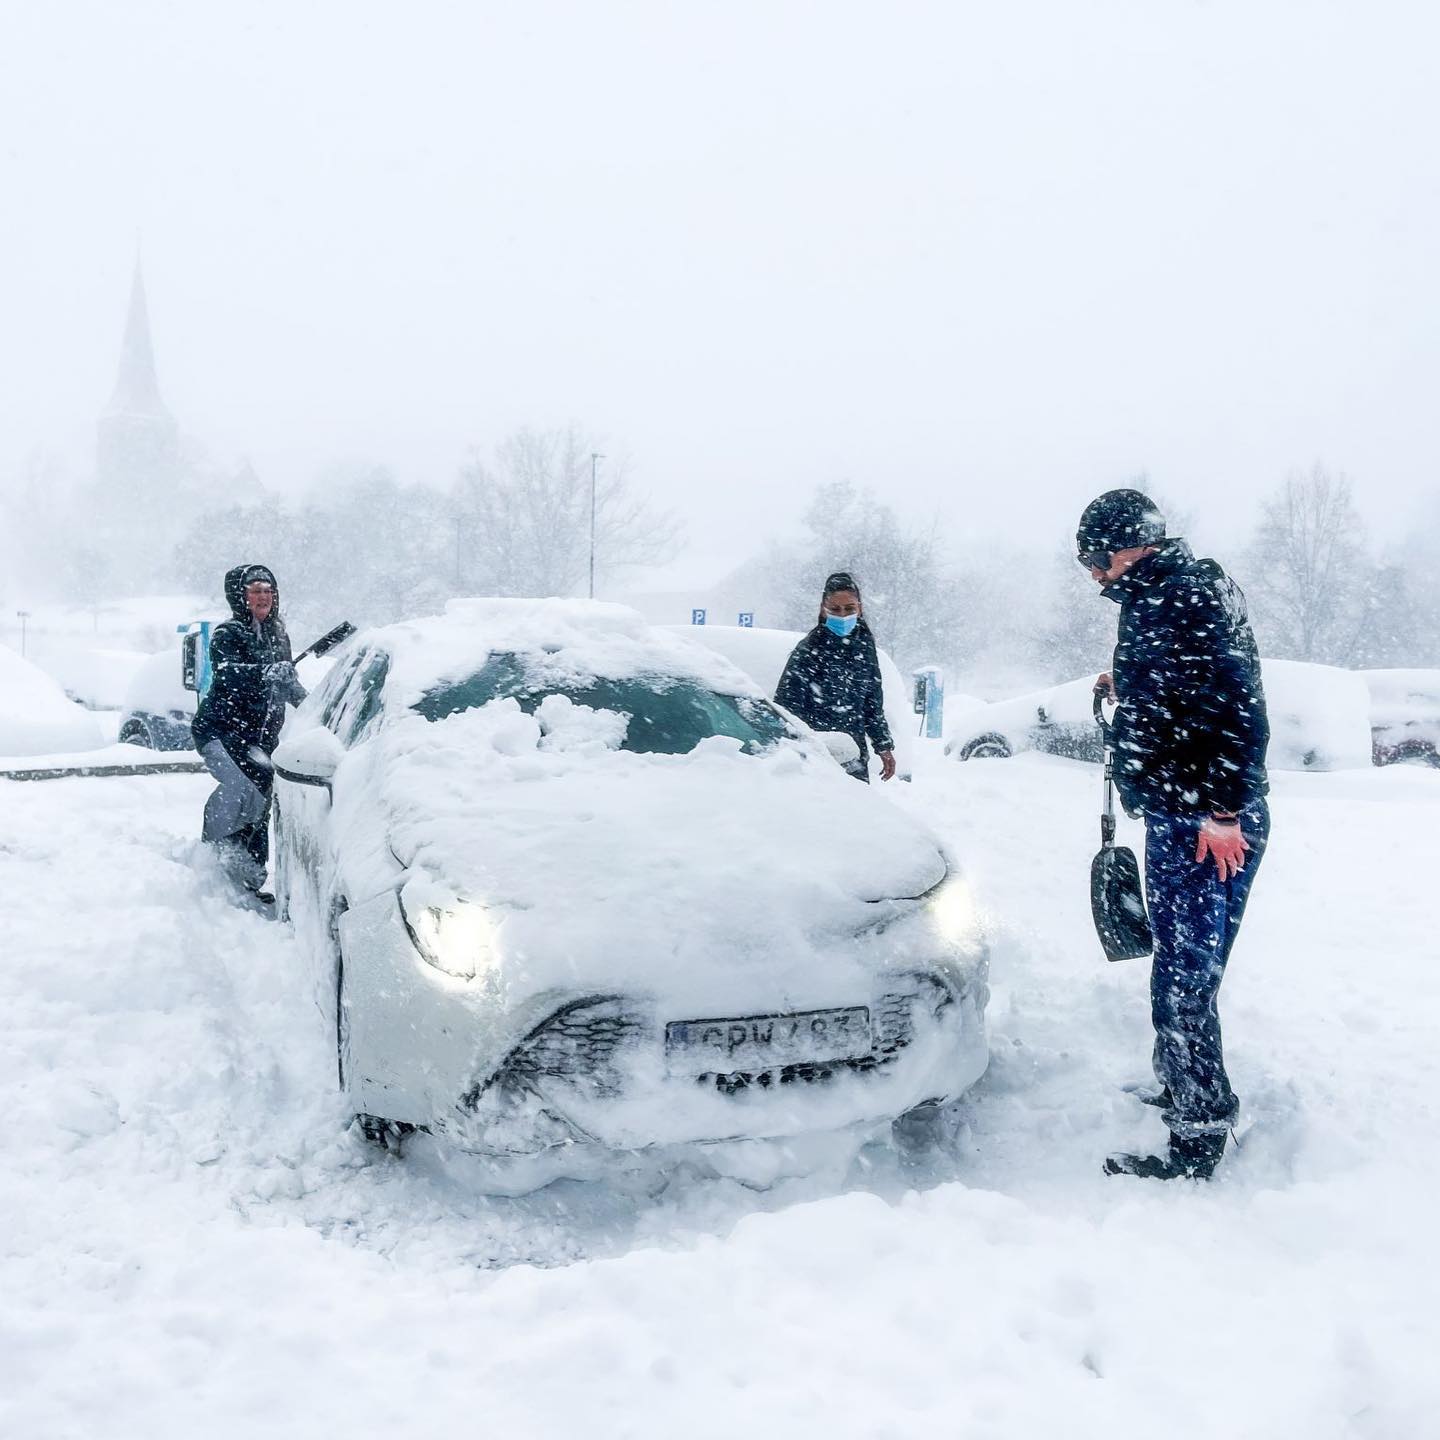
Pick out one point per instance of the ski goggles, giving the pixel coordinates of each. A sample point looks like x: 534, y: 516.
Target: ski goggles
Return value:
x: 1096, y: 559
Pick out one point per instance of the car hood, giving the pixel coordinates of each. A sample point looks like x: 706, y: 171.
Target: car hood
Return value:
x: 615, y: 871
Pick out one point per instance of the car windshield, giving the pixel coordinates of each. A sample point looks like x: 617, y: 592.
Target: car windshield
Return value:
x: 667, y: 715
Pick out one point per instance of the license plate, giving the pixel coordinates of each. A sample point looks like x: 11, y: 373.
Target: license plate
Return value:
x: 757, y: 1042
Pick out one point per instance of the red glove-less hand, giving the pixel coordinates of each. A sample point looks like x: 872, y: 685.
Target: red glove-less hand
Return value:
x: 1222, y: 841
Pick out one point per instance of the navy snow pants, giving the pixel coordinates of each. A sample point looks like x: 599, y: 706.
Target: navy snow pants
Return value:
x: 1195, y: 916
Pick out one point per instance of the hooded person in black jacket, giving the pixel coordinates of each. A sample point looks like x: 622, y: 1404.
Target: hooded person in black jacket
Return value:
x: 237, y: 724
x: 1190, y: 739
x: 832, y: 678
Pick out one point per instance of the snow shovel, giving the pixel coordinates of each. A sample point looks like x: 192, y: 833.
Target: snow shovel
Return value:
x: 1117, y: 899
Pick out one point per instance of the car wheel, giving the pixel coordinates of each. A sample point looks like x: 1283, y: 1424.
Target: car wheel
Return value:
x: 387, y: 1135
x: 933, y: 1125
x: 986, y: 747
x: 137, y: 732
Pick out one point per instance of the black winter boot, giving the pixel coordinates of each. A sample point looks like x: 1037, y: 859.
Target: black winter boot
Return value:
x: 1189, y: 1158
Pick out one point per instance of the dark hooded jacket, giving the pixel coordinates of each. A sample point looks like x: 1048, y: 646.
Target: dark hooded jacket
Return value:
x: 832, y: 682
x: 1191, y: 731
x: 244, y: 707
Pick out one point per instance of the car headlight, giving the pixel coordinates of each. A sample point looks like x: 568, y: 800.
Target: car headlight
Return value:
x: 454, y: 935
x: 956, y: 915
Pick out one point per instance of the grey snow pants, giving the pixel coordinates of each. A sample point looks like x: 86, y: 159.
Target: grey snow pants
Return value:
x: 237, y: 819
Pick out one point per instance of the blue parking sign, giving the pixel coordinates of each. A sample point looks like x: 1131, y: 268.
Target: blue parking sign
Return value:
x: 747, y: 619
x: 697, y: 617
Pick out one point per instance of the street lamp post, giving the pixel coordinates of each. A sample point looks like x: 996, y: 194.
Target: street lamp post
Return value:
x: 23, y: 615
x: 595, y: 459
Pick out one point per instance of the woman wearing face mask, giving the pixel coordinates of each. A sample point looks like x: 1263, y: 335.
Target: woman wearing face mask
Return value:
x: 832, y: 678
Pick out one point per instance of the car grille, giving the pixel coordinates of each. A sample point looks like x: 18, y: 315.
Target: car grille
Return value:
x: 893, y: 1019
x: 580, y: 1043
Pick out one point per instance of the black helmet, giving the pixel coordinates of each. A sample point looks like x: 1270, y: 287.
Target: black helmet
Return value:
x: 1119, y: 520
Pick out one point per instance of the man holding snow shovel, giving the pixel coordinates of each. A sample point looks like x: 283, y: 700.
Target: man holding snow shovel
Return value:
x: 1190, y: 739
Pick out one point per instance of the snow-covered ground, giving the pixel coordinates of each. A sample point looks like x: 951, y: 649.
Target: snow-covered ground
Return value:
x: 193, y: 1245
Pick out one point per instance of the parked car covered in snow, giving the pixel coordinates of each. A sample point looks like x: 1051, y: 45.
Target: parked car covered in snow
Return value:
x: 158, y: 708
x: 569, y: 880
x: 36, y: 717
x: 1318, y: 720
x: 761, y: 653
x: 1404, y: 715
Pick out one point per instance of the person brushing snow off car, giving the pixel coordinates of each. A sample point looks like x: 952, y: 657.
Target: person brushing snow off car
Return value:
x: 1190, y: 739
x: 237, y: 724
x: 832, y: 678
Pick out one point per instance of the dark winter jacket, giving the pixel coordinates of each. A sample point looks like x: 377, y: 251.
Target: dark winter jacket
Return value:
x: 833, y: 683
x: 244, y: 707
x: 1191, y: 732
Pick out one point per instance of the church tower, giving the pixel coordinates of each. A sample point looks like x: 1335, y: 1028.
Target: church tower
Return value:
x: 138, y: 441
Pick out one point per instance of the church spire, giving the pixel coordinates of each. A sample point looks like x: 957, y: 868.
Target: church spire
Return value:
x: 137, y: 391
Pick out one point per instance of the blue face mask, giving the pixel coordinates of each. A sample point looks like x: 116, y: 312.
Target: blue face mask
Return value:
x: 841, y: 625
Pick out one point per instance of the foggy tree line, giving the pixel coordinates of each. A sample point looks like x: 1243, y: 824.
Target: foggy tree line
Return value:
x: 1317, y: 588
x: 370, y: 547
x: 373, y: 549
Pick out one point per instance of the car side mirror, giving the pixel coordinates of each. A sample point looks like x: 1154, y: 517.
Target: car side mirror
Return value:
x: 310, y: 758
x: 843, y: 750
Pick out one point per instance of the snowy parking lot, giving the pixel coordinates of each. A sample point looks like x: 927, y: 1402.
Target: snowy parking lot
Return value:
x: 195, y: 1244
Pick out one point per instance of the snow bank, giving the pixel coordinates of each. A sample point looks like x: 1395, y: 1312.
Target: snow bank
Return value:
x: 195, y: 1245
x: 36, y: 718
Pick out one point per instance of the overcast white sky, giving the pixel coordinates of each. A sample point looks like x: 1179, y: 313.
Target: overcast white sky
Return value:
x: 986, y: 258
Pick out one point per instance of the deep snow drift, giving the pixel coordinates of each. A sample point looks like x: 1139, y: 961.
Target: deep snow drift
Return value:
x: 194, y: 1245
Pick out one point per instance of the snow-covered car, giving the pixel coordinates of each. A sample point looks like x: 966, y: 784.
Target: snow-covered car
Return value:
x: 1318, y: 720
x: 36, y: 716
x: 1059, y: 721
x: 761, y: 653
x: 569, y: 880
x: 1404, y: 715
x: 158, y: 708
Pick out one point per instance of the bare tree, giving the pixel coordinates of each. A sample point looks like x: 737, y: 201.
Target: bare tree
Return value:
x: 523, y: 521
x: 1309, y: 570
x: 910, y: 599
x: 1076, y: 633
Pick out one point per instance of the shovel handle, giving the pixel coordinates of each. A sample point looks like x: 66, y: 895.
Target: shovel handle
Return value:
x: 1107, y: 815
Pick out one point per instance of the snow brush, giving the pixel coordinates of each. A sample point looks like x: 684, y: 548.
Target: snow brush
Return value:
x: 1117, y: 898
x: 328, y: 641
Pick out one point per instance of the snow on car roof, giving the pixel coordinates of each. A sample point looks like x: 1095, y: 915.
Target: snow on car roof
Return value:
x: 572, y: 638
x: 36, y: 718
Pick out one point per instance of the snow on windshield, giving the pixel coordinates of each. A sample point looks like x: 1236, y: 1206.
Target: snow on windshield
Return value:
x: 656, y: 714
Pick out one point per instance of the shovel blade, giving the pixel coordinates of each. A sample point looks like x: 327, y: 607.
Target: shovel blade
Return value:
x: 1117, y: 901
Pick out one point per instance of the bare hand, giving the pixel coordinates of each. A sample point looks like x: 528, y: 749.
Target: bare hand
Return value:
x: 1105, y: 685
x: 887, y: 764
x: 1222, y: 841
